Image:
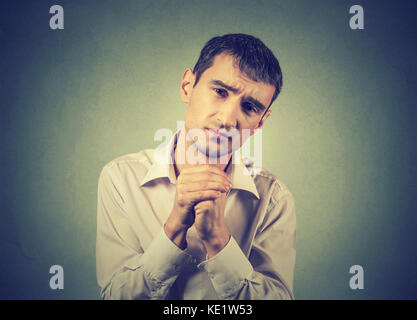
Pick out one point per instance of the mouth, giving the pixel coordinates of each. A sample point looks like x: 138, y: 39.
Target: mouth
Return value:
x: 218, y: 134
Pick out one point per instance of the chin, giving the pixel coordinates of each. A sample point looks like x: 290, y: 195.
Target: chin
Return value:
x: 219, y: 150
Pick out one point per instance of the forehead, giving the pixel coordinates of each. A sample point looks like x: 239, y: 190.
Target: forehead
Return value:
x: 223, y: 69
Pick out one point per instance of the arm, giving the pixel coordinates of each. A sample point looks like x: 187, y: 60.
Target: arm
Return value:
x: 268, y: 272
x: 124, y: 269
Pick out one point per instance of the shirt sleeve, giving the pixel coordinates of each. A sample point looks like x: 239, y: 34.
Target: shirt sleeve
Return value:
x: 124, y: 269
x: 268, y: 271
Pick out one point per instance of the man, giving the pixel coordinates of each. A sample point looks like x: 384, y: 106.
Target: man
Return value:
x: 181, y: 229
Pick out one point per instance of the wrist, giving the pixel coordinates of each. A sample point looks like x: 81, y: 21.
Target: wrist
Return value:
x: 216, y: 243
x: 175, y: 227
x: 177, y: 233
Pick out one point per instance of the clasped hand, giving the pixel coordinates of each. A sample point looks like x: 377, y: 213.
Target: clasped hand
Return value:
x: 200, y: 200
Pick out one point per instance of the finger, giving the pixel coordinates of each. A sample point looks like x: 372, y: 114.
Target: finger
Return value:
x: 203, y: 207
x: 204, y: 176
x: 205, y: 168
x: 197, y: 196
x: 203, y: 185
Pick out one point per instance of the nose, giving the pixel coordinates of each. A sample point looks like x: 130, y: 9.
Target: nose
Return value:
x: 227, y: 115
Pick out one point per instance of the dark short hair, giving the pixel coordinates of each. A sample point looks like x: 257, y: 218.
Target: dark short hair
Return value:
x: 251, y: 55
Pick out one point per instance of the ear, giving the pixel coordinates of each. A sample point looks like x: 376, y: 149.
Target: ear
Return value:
x: 261, y: 123
x: 187, y: 84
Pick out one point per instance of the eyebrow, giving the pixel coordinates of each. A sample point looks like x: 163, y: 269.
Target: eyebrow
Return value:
x: 225, y: 86
x: 256, y: 102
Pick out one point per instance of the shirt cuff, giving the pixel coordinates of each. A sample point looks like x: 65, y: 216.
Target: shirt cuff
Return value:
x: 227, y: 269
x: 163, y: 259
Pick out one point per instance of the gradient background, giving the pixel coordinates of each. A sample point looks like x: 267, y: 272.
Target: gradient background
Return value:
x: 341, y: 135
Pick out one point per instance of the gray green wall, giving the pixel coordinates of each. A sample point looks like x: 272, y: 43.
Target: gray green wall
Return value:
x: 341, y: 135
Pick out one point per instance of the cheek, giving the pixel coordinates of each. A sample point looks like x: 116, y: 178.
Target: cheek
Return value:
x: 202, y: 104
x: 249, y: 123
x: 245, y: 135
x: 196, y: 111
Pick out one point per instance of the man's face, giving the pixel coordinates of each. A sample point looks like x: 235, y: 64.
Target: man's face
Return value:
x: 225, y: 102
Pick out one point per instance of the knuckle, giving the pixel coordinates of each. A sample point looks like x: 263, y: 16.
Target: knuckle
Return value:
x: 181, y: 198
x: 203, y: 207
x: 181, y: 202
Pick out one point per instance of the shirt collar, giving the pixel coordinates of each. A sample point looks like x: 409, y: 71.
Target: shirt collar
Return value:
x: 162, y: 167
x: 242, y: 178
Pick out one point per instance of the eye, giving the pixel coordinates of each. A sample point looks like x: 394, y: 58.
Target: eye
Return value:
x: 248, y: 107
x: 220, y: 92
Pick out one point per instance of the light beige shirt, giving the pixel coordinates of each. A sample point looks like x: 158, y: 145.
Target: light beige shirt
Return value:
x: 136, y: 260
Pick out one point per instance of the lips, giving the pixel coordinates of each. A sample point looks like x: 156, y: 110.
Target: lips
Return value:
x: 218, y: 134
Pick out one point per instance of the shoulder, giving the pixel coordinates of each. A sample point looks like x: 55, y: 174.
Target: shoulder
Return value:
x: 268, y: 184
x: 129, y: 165
x: 265, y: 179
x: 279, y: 201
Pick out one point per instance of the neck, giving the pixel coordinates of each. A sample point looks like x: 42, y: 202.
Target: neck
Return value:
x: 180, y: 162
